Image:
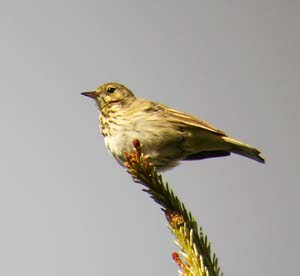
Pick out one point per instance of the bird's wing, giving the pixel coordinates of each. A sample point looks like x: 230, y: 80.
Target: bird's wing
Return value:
x: 187, y: 119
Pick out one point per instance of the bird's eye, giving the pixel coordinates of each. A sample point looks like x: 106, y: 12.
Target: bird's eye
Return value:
x: 111, y: 90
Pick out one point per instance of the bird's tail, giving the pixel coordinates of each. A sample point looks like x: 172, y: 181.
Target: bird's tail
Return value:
x: 243, y: 149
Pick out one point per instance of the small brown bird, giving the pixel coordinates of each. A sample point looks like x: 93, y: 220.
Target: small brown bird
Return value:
x: 166, y: 135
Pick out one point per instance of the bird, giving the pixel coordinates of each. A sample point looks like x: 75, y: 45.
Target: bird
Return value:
x: 167, y: 136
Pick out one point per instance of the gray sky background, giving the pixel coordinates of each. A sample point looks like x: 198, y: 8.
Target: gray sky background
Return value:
x: 67, y: 207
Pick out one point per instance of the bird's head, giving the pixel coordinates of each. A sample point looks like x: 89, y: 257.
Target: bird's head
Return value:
x: 110, y: 93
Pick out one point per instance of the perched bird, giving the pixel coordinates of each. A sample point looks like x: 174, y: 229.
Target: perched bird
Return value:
x: 166, y: 135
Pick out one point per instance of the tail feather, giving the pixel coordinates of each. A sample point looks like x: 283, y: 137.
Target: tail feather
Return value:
x: 243, y: 149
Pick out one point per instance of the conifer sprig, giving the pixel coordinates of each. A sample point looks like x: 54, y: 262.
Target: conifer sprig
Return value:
x: 193, y: 243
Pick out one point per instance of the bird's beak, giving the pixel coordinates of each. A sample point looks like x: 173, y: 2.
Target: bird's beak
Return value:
x: 91, y: 94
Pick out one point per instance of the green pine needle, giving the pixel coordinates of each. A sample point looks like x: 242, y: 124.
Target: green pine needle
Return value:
x: 193, y: 243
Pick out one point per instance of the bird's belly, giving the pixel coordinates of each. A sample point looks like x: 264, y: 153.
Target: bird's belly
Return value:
x: 117, y: 144
x: 163, y: 150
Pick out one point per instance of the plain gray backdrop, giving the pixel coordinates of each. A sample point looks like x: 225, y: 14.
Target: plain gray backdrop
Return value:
x: 67, y: 208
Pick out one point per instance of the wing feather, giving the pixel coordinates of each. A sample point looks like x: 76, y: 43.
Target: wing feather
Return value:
x: 187, y: 119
